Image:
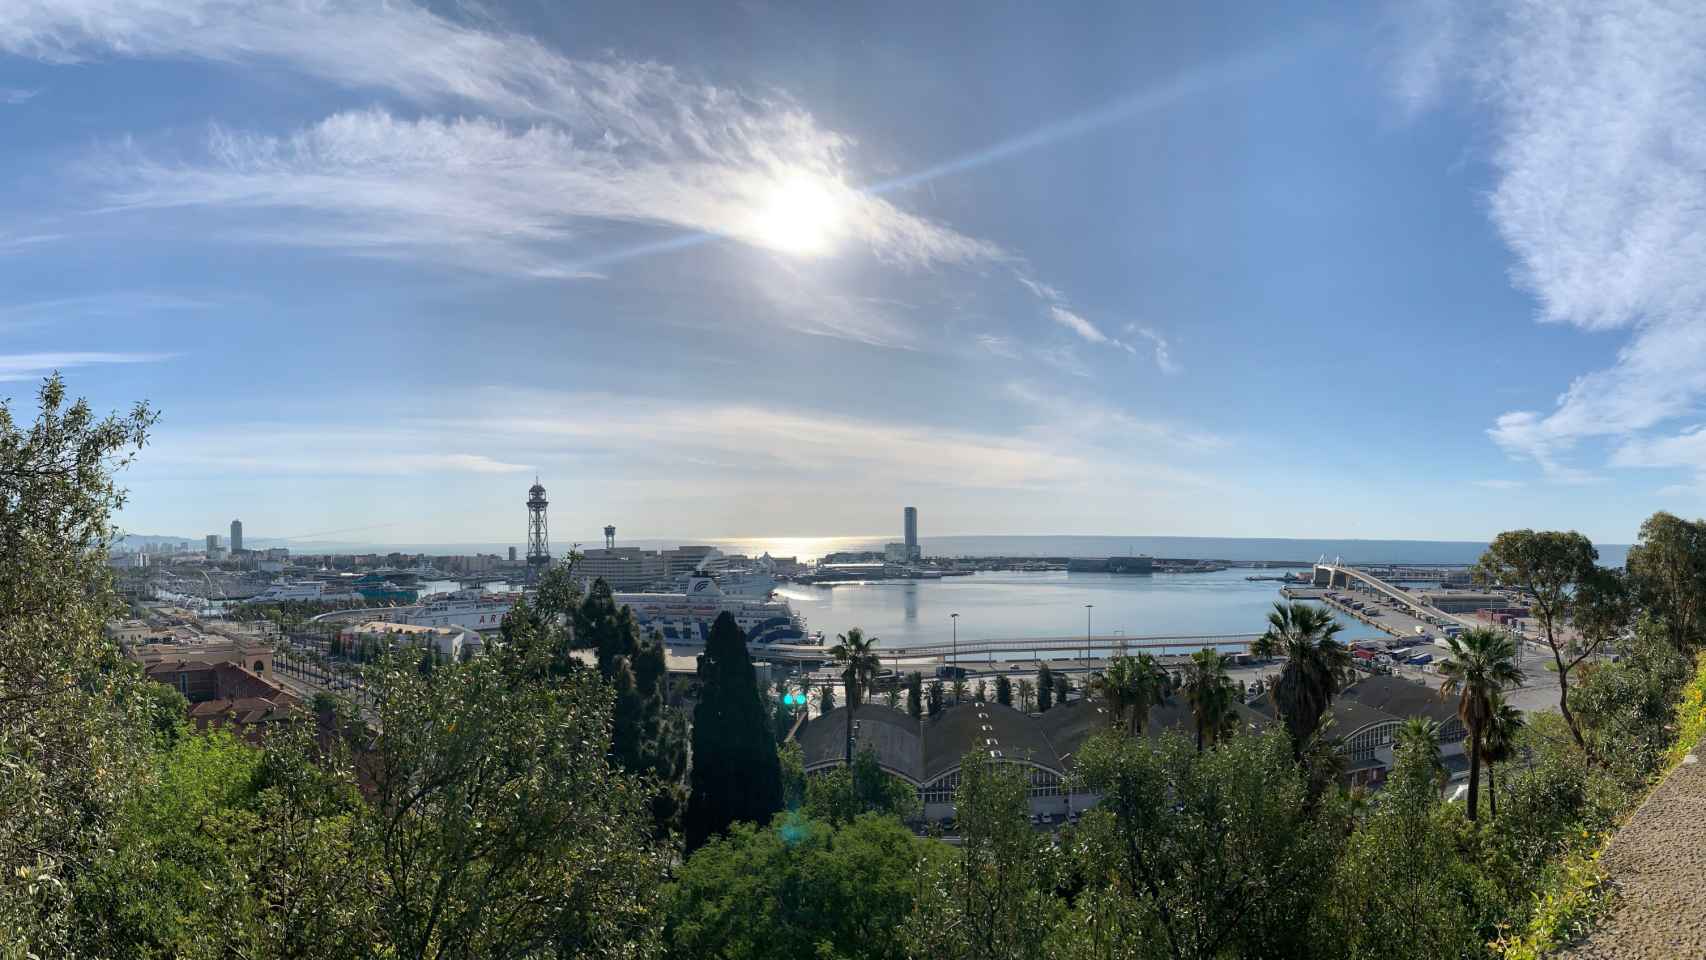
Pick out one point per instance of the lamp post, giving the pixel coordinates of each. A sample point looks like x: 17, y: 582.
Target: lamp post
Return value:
x: 956, y: 656
x: 1087, y: 608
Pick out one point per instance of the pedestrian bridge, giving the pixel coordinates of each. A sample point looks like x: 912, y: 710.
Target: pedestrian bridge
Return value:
x: 1336, y: 574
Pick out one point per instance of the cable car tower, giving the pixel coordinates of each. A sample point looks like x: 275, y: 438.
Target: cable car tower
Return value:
x: 538, y: 542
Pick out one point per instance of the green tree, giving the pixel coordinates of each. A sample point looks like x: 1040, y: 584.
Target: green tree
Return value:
x: 1198, y: 855
x: 499, y: 824
x: 1499, y: 742
x: 959, y: 689
x: 791, y: 761
x: 914, y: 695
x: 992, y: 901
x: 735, y: 774
x: 1668, y: 568
x: 1482, y: 663
x: 1208, y: 691
x: 73, y: 714
x: 799, y: 888
x: 838, y: 796
x: 1131, y: 686
x: 1045, y: 688
x: 1549, y: 566
x: 1316, y: 666
x: 1004, y: 690
x: 1418, y: 738
x: 609, y: 630
x: 935, y: 698
x: 857, y: 657
x: 1027, y: 696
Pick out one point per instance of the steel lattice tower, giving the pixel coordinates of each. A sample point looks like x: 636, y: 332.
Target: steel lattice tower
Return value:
x: 538, y: 542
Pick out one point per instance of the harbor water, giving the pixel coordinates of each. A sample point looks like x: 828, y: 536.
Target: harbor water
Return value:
x: 1003, y: 605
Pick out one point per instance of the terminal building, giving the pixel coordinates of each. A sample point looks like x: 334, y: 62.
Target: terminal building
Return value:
x: 928, y: 755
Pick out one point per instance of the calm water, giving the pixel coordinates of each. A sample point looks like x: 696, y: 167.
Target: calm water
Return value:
x: 1003, y: 605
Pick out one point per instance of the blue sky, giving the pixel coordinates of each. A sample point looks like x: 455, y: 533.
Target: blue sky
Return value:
x: 1428, y: 271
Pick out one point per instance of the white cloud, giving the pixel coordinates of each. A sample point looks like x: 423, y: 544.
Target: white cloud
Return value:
x: 554, y: 140
x: 1077, y: 324
x: 31, y: 366
x: 1103, y: 425
x: 274, y: 448
x: 1500, y: 484
x: 12, y: 96
x: 1000, y: 346
x: 1599, y: 119
x: 1163, y: 352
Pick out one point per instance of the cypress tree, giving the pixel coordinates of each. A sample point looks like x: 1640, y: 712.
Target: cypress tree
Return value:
x: 935, y: 697
x: 1045, y: 689
x: 915, y: 695
x: 736, y: 773
x: 1004, y: 691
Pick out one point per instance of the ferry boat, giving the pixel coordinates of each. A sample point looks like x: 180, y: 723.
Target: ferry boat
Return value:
x: 472, y: 608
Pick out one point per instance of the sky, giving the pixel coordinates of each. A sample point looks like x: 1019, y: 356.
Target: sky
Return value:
x: 1425, y: 271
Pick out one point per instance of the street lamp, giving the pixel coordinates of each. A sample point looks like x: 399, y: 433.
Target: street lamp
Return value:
x: 1087, y: 608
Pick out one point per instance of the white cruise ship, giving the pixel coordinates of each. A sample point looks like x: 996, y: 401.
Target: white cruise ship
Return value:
x: 279, y: 592
x: 686, y: 617
x: 682, y: 618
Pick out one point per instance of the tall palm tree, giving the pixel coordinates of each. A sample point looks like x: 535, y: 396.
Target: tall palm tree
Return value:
x: 1419, y: 738
x: 1131, y: 686
x: 1210, y: 695
x: 1316, y: 666
x: 1482, y: 663
x: 857, y: 658
x: 1498, y: 745
x: 1027, y: 692
x: 958, y: 689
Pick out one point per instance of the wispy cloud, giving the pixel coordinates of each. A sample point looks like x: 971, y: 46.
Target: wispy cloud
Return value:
x: 30, y: 366
x: 12, y: 96
x: 1163, y: 352
x: 1000, y: 346
x: 1077, y: 324
x: 1105, y: 425
x: 546, y: 141
x: 1596, y: 112
x: 1500, y: 484
x: 288, y: 449
x: 1061, y: 313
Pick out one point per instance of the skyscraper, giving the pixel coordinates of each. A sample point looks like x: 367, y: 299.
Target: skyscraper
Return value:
x: 912, y: 550
x: 236, y: 535
x: 212, y: 545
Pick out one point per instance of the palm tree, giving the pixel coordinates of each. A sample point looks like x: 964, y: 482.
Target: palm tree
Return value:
x: 1498, y: 745
x: 1482, y: 663
x: 891, y: 696
x: 1419, y: 737
x: 857, y: 658
x: 1316, y: 666
x: 1131, y: 686
x: 1027, y: 695
x: 1208, y: 691
x: 959, y: 689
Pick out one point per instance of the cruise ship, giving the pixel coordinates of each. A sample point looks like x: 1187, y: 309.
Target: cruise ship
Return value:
x: 280, y: 592
x: 686, y: 617
x: 682, y: 618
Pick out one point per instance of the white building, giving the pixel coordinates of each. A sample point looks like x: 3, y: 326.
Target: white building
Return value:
x: 450, y: 642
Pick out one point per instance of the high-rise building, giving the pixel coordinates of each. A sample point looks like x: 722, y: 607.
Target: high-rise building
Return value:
x: 511, y: 554
x: 912, y: 550
x: 236, y: 536
x: 212, y: 545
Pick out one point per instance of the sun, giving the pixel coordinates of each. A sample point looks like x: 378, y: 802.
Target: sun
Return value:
x: 801, y: 216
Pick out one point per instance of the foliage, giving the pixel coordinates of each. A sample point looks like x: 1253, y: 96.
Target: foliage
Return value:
x: 934, y: 698
x: 1667, y: 568
x: 1004, y: 690
x: 1198, y: 854
x: 1208, y: 691
x: 838, y: 796
x: 798, y: 888
x: 1131, y: 686
x: 498, y: 824
x: 1316, y: 666
x: 735, y: 773
x: 1045, y: 688
x: 914, y: 697
x: 1417, y: 743
x: 856, y: 655
x: 74, y: 719
x: 993, y: 901
x: 1551, y: 567
x: 1482, y: 663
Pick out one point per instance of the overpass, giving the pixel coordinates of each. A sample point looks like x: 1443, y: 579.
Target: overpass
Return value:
x: 1007, y: 648
x: 1336, y: 574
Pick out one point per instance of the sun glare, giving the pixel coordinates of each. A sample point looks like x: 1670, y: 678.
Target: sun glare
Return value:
x: 801, y: 217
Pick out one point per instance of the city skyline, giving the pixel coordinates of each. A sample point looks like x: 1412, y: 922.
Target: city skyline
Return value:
x: 1307, y: 272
